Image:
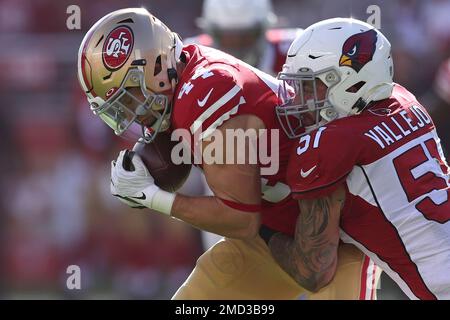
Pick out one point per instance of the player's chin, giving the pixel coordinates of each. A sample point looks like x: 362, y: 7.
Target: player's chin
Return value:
x: 148, y: 121
x: 308, y: 120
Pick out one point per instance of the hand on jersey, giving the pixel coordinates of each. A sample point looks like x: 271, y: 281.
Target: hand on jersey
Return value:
x: 132, y: 184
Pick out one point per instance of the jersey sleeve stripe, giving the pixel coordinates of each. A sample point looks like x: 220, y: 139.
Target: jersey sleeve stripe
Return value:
x: 219, y: 121
x: 216, y: 106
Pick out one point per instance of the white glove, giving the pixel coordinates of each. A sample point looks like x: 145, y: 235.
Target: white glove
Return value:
x: 132, y: 184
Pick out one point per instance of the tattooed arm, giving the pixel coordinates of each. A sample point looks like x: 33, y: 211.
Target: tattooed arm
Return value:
x: 311, y: 257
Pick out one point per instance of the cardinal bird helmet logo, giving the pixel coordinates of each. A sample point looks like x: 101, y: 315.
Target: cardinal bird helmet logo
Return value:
x: 358, y: 50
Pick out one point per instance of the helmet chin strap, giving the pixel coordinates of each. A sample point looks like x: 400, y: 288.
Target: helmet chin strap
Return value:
x: 177, y: 49
x: 173, y: 78
x: 377, y: 93
x: 163, y: 123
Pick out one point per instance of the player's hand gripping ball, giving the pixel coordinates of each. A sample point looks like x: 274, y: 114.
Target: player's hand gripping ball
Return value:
x: 157, y: 158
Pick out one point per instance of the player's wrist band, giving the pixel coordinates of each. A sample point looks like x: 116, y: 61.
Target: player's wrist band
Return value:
x: 266, y: 233
x: 158, y: 199
x: 162, y: 201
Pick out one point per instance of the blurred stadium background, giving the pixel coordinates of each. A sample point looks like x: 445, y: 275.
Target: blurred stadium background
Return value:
x: 55, y: 206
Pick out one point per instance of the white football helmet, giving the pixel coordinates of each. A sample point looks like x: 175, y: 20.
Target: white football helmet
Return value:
x: 238, y: 26
x: 130, y: 51
x: 236, y: 14
x: 351, y: 58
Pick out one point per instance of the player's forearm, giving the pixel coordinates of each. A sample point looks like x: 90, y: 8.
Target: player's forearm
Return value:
x: 210, y: 214
x: 311, y: 256
x: 312, y: 270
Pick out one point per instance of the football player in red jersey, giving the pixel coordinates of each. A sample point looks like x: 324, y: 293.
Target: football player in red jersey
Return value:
x: 248, y: 37
x: 244, y: 29
x: 368, y: 170
x: 139, y: 78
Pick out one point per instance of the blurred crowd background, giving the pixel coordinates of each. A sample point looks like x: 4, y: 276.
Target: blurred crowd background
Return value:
x: 56, y: 209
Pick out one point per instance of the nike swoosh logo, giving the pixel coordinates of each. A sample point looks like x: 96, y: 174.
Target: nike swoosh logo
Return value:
x: 201, y: 103
x: 142, y: 197
x: 125, y: 198
x: 138, y: 205
x: 307, y: 173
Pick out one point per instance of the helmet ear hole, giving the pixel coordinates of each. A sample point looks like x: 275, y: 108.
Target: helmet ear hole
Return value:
x: 158, y: 67
x: 356, y: 87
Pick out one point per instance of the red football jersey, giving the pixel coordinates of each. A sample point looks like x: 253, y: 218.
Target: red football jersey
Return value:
x: 215, y: 87
x: 397, y: 189
x: 274, y: 54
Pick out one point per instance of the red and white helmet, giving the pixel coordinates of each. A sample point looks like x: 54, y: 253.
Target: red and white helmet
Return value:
x: 350, y: 57
x: 130, y: 49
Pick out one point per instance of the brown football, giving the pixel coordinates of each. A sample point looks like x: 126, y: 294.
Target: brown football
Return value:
x: 156, y: 157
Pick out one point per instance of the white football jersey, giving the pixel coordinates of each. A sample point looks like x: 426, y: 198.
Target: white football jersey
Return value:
x: 397, y: 208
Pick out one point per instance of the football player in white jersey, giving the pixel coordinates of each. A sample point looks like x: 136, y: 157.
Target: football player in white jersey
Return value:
x: 368, y: 168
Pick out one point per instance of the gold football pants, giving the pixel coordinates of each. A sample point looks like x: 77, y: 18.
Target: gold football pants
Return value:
x: 245, y: 270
